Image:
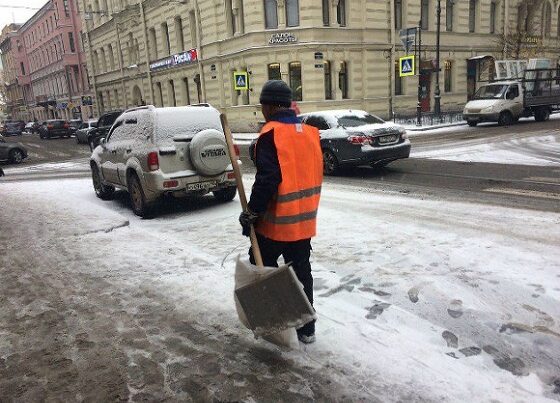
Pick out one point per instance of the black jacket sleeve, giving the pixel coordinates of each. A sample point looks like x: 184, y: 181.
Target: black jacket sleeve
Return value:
x: 268, y: 175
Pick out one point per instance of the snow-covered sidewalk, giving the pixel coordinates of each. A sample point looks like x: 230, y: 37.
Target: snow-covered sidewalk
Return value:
x: 418, y: 300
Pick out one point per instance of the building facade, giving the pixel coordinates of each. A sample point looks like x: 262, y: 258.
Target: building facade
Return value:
x: 333, y: 53
x: 11, y: 91
x: 50, y: 66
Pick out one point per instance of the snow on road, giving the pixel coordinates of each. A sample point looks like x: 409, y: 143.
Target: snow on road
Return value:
x: 418, y: 300
x: 541, y: 150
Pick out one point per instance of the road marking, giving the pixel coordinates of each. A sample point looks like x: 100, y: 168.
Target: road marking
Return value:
x: 525, y: 192
x: 543, y: 179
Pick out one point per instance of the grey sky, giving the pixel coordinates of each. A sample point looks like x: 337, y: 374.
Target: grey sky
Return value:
x: 18, y: 11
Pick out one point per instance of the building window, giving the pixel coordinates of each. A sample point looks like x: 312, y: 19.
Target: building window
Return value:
x: 425, y: 15
x: 159, y: 94
x: 328, y: 79
x: 198, y: 88
x: 547, y: 26
x: 398, y: 80
x: 71, y: 41
x: 111, y: 57
x: 171, y: 93
x: 165, y: 39
x: 558, y: 26
x: 274, y: 71
x: 294, y: 72
x: 192, y: 25
x: 186, y: 95
x: 493, y: 17
x: 341, y: 13
x: 398, y: 14
x: 230, y: 17
x: 472, y: 15
x: 179, y: 34
x: 22, y: 68
x: 66, y: 9
x: 153, y: 43
x: 448, y: 77
x: 117, y: 101
x: 326, y: 13
x: 449, y: 14
x: 270, y: 14
x: 343, y: 80
x: 292, y: 13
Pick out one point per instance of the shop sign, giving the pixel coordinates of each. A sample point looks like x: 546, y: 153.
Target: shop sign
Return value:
x: 86, y: 101
x: 175, y: 60
x: 62, y: 105
x: 282, y: 38
x: 318, y: 56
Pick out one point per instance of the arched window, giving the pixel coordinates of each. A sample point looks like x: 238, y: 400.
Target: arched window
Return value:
x: 547, y: 20
x: 270, y: 14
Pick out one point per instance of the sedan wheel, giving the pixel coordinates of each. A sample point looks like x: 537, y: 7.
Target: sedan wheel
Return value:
x: 16, y: 156
x: 330, y: 163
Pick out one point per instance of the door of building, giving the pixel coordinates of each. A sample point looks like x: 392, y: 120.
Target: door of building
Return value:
x: 425, y: 85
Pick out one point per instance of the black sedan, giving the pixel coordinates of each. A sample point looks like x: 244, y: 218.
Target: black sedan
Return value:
x: 354, y: 137
x: 54, y: 128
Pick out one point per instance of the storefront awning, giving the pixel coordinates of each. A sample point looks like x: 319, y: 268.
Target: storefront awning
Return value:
x: 481, y: 57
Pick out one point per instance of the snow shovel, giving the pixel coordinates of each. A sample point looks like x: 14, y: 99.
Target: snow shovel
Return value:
x: 273, y: 299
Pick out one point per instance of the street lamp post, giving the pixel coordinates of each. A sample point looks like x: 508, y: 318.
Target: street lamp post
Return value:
x: 437, y: 107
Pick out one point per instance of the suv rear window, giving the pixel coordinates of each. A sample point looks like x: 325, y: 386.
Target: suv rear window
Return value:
x: 185, y: 122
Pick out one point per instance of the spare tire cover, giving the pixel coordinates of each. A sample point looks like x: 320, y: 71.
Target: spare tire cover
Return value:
x: 209, y: 152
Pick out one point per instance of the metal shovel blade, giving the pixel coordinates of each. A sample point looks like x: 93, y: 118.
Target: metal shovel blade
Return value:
x: 275, y: 302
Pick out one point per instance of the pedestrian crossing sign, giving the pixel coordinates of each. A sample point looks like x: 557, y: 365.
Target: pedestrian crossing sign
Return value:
x: 241, y: 80
x: 406, y: 66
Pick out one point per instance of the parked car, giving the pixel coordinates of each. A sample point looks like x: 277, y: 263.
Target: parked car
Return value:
x: 103, y: 125
x: 13, y: 128
x: 354, y: 137
x: 55, y: 128
x: 12, y: 152
x: 152, y: 151
x: 74, y: 124
x: 83, y: 131
x: 31, y: 127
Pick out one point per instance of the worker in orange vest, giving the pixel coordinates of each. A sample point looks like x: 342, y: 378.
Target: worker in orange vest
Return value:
x: 285, y: 196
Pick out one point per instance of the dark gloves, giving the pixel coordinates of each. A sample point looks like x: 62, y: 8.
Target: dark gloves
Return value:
x: 246, y: 219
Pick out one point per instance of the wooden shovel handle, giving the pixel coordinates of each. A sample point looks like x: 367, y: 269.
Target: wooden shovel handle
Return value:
x: 240, y: 188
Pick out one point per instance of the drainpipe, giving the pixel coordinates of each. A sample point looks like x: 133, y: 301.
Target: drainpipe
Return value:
x: 147, y: 51
x: 506, y: 32
x: 199, y: 50
x: 392, y: 18
x: 119, y: 50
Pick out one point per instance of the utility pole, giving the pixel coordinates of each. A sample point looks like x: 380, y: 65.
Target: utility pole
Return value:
x: 437, y: 97
x: 419, y: 69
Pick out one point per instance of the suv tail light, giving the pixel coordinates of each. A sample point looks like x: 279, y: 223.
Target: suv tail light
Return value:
x: 236, y: 148
x: 153, y: 161
x: 66, y: 125
x: 50, y: 126
x: 359, y: 140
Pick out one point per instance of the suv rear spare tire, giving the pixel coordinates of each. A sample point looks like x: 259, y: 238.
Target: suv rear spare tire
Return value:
x: 209, y: 152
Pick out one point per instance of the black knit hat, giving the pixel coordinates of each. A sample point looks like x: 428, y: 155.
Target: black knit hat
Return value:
x: 276, y: 92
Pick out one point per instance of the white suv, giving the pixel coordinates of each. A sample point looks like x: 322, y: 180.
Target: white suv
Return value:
x: 155, y: 151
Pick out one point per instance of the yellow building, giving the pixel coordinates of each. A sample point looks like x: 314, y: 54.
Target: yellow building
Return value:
x: 333, y: 53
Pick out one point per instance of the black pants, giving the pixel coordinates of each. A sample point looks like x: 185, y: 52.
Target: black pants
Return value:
x: 298, y: 254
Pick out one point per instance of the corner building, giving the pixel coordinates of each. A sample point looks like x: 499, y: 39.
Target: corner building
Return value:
x: 333, y: 53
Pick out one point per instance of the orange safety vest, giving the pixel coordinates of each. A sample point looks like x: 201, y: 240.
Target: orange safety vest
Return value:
x: 292, y: 214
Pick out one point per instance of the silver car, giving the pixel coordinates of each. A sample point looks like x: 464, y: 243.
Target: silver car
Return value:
x: 152, y: 152
x: 12, y: 152
x: 83, y: 131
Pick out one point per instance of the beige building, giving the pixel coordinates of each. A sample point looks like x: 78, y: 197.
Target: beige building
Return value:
x: 333, y: 53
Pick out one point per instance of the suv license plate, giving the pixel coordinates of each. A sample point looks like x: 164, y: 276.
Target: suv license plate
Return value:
x: 201, y: 186
x: 388, y: 139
